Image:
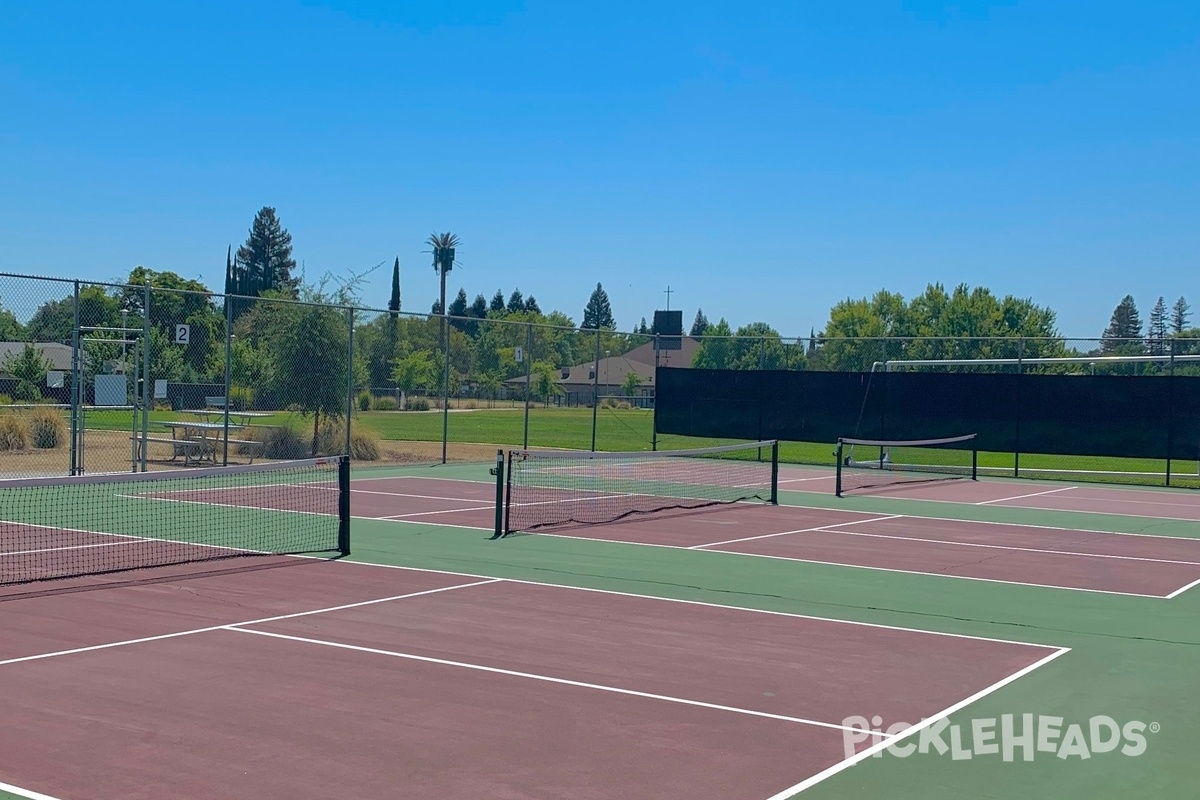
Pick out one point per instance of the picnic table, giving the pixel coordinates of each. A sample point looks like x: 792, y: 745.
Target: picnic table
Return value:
x: 197, y: 441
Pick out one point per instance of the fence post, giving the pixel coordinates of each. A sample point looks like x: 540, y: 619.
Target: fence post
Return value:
x: 1170, y: 409
x: 228, y: 376
x: 76, y: 388
x: 350, y: 374
x: 1020, y: 379
x: 528, y: 377
x: 654, y: 416
x: 445, y: 384
x: 596, y: 389
x: 147, y: 401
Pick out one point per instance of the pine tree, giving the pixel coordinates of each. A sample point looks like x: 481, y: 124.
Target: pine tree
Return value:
x: 394, y: 302
x: 516, y: 302
x: 1180, y: 316
x: 497, y: 303
x: 1124, y: 327
x: 458, y: 306
x: 479, y: 308
x: 267, y: 256
x: 598, y: 312
x: 531, y: 304
x: 642, y: 328
x: 1156, y: 329
x: 436, y: 308
x: 700, y: 324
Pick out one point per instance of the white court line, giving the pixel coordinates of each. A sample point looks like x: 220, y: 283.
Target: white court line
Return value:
x: 160, y: 637
x: 789, y: 533
x: 1183, y: 589
x: 402, y: 517
x: 1023, y: 496
x: 829, y: 772
x: 834, y: 529
x: 545, y: 678
x: 27, y: 793
x: 802, y: 480
x: 69, y: 547
x: 853, y: 566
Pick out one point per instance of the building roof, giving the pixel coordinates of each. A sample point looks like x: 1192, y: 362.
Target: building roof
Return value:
x: 613, y: 369
x: 59, y: 355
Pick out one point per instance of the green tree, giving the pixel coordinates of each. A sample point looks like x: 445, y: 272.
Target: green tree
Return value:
x: 10, y: 328
x: 266, y: 257
x: 715, y: 348
x: 631, y: 385
x: 29, y: 367
x: 757, y: 346
x: 310, y: 368
x: 544, y: 377
x: 1156, y: 329
x: 1181, y: 313
x: 1124, y: 332
x: 531, y: 305
x: 699, y: 324
x: 516, y: 302
x: 479, y: 308
x: 598, y: 312
x: 497, y: 304
x: 414, y: 371
x: 394, y: 300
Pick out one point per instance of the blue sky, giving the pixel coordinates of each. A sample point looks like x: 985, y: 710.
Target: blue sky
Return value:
x: 765, y: 160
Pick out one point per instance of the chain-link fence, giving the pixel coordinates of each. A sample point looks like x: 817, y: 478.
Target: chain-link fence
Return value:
x: 109, y: 377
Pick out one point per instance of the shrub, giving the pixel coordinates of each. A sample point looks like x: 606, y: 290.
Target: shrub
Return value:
x: 417, y: 404
x: 46, y: 428
x: 284, y: 442
x: 331, y: 441
x: 14, y: 435
x: 5, y: 400
x: 26, y: 392
x: 386, y: 404
x: 241, y: 398
x: 364, y: 401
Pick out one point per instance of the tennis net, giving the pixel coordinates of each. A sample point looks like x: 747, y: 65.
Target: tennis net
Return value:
x: 873, y: 464
x: 97, y: 524
x: 551, y: 488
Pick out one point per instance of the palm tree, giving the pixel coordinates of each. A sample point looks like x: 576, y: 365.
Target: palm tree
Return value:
x: 443, y: 245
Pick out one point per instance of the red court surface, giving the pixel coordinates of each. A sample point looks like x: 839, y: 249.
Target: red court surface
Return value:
x: 325, y: 679
x: 1144, y: 565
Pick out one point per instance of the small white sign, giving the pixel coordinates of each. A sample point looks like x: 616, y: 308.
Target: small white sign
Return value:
x: 182, y: 333
x: 55, y: 379
x: 518, y: 354
x: 160, y: 389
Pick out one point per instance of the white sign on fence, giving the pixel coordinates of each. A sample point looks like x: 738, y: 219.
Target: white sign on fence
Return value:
x: 182, y: 333
x: 55, y: 379
x: 160, y: 389
x: 518, y: 354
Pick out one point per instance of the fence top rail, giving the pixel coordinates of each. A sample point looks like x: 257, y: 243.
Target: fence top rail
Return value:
x: 968, y: 362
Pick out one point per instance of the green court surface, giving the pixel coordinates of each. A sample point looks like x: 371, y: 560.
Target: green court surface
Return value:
x: 1133, y: 659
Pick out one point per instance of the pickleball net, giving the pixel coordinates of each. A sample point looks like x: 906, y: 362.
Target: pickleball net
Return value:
x: 876, y: 464
x: 548, y: 488
x: 67, y: 527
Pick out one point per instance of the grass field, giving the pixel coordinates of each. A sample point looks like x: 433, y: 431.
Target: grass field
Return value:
x: 632, y: 430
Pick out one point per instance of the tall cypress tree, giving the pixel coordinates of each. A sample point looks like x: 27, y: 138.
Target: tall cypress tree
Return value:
x: 394, y: 302
x: 1156, y: 330
x: 700, y: 324
x: 497, y: 303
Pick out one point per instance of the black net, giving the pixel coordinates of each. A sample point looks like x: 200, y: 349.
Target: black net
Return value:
x: 866, y: 464
x: 550, y: 488
x: 99, y: 524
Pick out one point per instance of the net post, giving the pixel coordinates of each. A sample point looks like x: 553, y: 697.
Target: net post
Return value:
x: 498, y: 470
x: 837, y: 487
x: 508, y: 494
x: 343, y: 505
x: 775, y: 472
x: 974, y: 462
